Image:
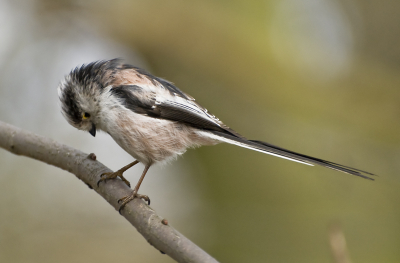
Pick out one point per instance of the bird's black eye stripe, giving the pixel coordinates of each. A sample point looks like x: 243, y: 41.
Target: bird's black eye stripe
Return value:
x: 70, y: 107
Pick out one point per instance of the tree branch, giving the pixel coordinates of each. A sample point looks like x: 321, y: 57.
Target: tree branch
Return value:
x: 153, y: 228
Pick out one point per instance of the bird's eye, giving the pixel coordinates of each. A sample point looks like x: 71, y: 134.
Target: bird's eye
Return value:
x: 85, y: 115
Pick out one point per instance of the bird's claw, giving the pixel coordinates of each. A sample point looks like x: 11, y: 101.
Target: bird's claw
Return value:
x: 128, y: 198
x: 112, y: 176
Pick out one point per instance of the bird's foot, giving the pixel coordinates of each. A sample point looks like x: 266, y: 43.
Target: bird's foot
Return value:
x: 126, y: 199
x: 107, y: 176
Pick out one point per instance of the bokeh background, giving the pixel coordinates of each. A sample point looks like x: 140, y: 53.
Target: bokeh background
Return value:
x: 320, y: 77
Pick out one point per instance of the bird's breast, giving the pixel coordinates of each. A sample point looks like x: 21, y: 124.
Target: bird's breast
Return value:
x: 152, y: 140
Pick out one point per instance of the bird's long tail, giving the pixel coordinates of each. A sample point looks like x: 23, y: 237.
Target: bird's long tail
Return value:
x: 287, y: 154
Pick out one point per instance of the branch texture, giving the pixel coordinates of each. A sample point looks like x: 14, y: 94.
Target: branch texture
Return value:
x: 156, y: 231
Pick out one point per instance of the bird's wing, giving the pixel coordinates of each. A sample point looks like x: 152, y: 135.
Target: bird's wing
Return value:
x: 170, y: 107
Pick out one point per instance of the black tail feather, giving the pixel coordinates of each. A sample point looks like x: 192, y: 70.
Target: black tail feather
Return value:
x: 317, y: 161
x: 276, y: 150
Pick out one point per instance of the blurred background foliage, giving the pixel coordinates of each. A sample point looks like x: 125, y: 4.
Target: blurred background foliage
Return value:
x: 320, y: 77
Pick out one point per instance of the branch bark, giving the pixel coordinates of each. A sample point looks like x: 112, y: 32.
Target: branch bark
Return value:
x: 156, y: 231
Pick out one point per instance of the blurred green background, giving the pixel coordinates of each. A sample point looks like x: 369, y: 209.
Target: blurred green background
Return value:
x: 320, y: 77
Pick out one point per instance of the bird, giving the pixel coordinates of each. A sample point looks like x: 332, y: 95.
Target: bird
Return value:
x: 153, y: 120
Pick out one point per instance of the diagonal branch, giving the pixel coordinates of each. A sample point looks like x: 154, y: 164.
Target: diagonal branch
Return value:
x: 156, y: 231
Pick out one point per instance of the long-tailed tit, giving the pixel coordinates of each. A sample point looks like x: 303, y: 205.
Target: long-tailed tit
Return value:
x: 152, y: 119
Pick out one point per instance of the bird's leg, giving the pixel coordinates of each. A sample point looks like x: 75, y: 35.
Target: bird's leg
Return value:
x: 117, y: 174
x: 134, y: 194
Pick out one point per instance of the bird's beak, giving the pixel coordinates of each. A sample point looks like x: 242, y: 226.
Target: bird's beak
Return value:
x: 93, y: 130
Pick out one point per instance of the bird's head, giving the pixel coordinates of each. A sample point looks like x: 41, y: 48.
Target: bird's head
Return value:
x: 80, y: 94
